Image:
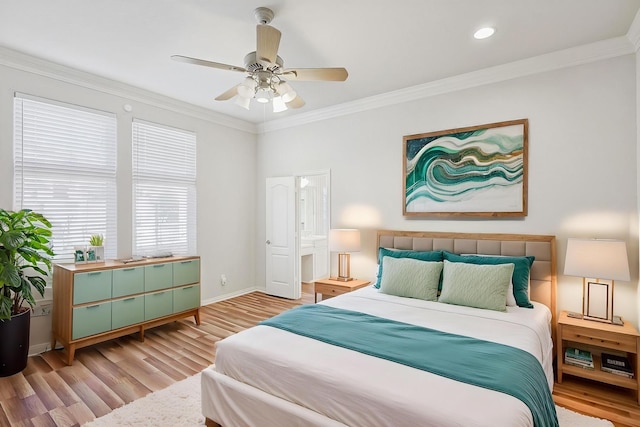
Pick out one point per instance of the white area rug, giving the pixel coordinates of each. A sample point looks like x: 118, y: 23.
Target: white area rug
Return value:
x: 179, y: 405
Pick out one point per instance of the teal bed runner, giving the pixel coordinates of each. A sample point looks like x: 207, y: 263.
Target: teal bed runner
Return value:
x: 482, y: 363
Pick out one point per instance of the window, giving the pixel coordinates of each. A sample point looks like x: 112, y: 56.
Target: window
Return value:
x: 164, y: 190
x: 65, y: 169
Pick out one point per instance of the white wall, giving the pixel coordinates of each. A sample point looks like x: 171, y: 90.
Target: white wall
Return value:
x: 226, y: 178
x: 582, y: 163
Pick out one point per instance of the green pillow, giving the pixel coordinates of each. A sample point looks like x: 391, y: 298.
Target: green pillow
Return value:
x: 412, y: 278
x: 481, y: 286
x: 520, y: 272
x: 421, y: 255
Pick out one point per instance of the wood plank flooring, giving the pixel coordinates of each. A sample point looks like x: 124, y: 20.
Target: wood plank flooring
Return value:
x: 108, y: 375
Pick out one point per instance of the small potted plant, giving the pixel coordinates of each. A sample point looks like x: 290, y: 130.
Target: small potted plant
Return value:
x: 95, y: 252
x: 25, y: 259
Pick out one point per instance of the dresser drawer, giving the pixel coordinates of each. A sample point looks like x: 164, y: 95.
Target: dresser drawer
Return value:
x: 186, y: 298
x: 91, y: 286
x: 128, y: 281
x: 158, y: 304
x: 620, y: 342
x: 91, y: 319
x: 186, y: 272
x: 127, y: 311
x: 324, y: 289
x: 158, y: 276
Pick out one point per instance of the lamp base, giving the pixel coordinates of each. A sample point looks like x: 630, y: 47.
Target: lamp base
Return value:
x: 341, y: 279
x: 617, y: 320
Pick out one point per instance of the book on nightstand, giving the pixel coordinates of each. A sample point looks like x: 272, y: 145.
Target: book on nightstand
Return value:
x: 618, y: 365
x: 577, y: 357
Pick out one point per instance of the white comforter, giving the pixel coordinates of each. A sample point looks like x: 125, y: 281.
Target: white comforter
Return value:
x: 361, y: 390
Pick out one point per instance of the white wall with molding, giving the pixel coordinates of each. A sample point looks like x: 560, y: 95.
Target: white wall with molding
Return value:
x: 582, y: 163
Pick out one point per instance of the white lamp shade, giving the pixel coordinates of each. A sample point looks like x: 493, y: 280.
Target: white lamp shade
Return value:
x: 278, y: 104
x: 344, y: 240
x: 597, y: 259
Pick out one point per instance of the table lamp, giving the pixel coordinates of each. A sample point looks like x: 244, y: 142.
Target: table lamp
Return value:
x: 344, y: 241
x: 597, y: 259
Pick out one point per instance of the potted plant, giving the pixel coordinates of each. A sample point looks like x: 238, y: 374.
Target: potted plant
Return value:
x: 95, y: 251
x: 25, y: 259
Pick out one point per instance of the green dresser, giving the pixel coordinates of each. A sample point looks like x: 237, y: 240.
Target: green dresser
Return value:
x: 101, y: 301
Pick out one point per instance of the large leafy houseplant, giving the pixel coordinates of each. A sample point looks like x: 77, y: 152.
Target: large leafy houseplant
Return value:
x: 25, y: 258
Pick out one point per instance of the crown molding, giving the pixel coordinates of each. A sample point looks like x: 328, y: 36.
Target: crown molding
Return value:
x: 30, y: 64
x: 597, y: 51
x: 634, y: 32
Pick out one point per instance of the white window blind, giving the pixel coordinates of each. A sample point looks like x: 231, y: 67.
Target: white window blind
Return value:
x: 65, y: 169
x: 164, y: 190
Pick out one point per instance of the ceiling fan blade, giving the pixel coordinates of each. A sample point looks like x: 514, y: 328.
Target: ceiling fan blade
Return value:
x: 228, y: 94
x: 325, y: 74
x: 296, y: 102
x: 268, y: 42
x: 212, y: 64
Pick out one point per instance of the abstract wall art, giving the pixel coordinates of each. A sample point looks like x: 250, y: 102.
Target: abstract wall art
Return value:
x: 474, y: 171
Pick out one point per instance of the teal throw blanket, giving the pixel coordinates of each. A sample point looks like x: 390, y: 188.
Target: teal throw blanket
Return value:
x: 482, y: 363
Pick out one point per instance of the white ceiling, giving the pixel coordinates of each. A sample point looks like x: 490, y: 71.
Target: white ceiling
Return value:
x: 385, y: 45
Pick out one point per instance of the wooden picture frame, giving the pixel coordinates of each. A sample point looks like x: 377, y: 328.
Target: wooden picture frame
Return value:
x: 476, y: 171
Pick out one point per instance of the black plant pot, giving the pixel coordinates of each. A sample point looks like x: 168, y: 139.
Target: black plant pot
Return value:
x: 14, y: 343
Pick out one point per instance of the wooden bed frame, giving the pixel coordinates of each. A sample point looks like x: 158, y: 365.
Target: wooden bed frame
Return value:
x: 543, y: 247
x: 543, y: 279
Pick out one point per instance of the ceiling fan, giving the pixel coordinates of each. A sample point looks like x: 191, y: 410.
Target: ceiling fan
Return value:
x: 267, y: 77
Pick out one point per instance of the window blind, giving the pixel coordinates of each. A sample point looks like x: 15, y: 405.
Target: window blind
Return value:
x: 65, y: 169
x: 164, y: 190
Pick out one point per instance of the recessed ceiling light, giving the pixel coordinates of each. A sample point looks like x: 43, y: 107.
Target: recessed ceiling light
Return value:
x: 483, y: 33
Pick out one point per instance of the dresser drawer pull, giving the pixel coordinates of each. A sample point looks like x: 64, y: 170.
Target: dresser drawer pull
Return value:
x: 93, y: 306
x: 159, y: 265
x: 128, y: 299
x: 186, y: 262
x: 597, y: 339
x: 187, y: 287
x: 95, y: 273
x: 157, y: 294
x: 128, y: 269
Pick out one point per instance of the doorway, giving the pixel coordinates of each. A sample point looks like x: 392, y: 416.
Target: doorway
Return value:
x: 297, y: 228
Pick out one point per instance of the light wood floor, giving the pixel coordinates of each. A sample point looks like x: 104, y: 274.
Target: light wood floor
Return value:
x: 108, y: 375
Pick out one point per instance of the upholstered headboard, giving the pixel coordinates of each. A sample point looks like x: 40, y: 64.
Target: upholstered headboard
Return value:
x: 543, y: 248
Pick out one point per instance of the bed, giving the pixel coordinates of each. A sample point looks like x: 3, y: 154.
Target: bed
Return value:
x: 270, y: 376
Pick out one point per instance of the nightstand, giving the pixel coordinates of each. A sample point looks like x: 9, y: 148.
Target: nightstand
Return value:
x: 597, y: 338
x: 332, y: 288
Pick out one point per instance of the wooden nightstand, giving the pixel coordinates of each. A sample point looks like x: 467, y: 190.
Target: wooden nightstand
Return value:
x: 598, y: 338
x: 336, y: 287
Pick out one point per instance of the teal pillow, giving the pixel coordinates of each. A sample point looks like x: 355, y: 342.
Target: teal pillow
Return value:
x: 412, y: 278
x: 520, y: 272
x: 481, y: 286
x: 421, y: 255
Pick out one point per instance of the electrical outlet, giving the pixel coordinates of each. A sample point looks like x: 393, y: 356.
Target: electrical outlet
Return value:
x: 223, y: 279
x: 41, y: 310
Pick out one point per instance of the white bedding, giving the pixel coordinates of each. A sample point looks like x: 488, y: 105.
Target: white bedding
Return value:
x: 360, y: 390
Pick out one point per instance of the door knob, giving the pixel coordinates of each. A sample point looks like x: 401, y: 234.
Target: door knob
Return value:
x: 268, y: 242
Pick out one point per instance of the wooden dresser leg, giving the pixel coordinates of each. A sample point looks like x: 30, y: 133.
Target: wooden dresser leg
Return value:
x: 71, y: 352
x: 210, y: 423
x: 196, y: 316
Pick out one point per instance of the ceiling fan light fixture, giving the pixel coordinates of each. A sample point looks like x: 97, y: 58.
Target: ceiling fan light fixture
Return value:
x: 286, y: 91
x: 263, y: 95
x: 278, y: 104
x: 248, y: 88
x: 243, y: 102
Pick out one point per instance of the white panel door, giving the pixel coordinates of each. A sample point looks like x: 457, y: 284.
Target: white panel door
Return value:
x: 281, y: 247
